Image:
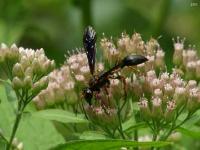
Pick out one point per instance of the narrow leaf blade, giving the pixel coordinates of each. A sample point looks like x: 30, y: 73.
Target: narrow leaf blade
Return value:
x: 60, y: 116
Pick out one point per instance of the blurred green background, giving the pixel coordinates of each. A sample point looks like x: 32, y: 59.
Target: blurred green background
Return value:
x: 57, y: 25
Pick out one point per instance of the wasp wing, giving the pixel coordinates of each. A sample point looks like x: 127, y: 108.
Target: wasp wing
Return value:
x: 89, y: 43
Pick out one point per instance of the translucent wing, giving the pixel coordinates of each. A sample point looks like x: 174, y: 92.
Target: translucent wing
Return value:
x: 89, y: 43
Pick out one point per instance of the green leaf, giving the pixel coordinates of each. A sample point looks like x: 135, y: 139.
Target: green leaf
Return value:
x: 41, y: 131
x: 194, y: 134
x: 107, y: 144
x: 92, y: 135
x: 35, y: 133
x: 7, y: 113
x: 60, y: 116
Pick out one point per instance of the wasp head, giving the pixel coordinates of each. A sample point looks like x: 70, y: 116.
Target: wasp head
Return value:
x: 88, y: 94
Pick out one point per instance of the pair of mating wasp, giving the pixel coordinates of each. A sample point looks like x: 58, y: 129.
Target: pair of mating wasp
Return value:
x: 99, y: 81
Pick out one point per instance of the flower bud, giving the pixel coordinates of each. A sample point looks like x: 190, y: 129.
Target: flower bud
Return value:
x: 159, y: 61
x: 18, y: 70
x: 170, y: 111
x: 17, y: 83
x: 180, y: 96
x: 40, y: 85
x: 144, y: 109
x: 158, y: 93
x: 59, y: 95
x: 191, y: 84
x: 29, y: 72
x: 191, y: 70
x: 151, y: 46
x: 168, y: 90
x: 156, y: 108
x: 193, y: 100
x: 178, y: 50
x: 39, y: 103
x: 36, y: 67
x: 14, y: 53
x: 28, y: 82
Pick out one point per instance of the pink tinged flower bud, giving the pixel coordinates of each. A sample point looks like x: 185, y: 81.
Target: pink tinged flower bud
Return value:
x: 178, y: 50
x: 164, y: 77
x: 156, y: 108
x: 39, y: 103
x: 100, y: 67
x: 17, y: 83
x: 180, y: 96
x: 191, y: 55
x: 168, y: 90
x: 18, y: 70
x: 79, y: 77
x: 84, y: 69
x: 193, y: 100
x: 151, y: 75
x: 158, y: 93
x: 69, y: 86
x: 103, y: 117
x: 59, y: 94
x: 170, y: 111
x: 178, y: 82
x: 191, y: 69
x: 191, y: 84
x: 156, y: 84
x: 151, y: 46
x: 159, y: 61
x: 123, y: 42
x: 144, y: 109
x: 74, y: 66
x: 150, y: 63
x: 71, y: 59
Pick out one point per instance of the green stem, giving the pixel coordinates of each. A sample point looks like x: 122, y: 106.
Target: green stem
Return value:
x: 136, y: 138
x: 155, y: 135
x: 4, y: 138
x: 120, y: 124
x: 15, y: 127
x: 120, y: 129
x: 174, y: 126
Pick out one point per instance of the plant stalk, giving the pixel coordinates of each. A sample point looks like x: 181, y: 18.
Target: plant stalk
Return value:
x: 15, y: 127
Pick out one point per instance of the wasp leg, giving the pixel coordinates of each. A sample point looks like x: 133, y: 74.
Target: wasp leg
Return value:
x: 106, y: 102
x: 134, y: 69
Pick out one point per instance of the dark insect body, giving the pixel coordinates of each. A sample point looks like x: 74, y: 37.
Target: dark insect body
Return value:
x: 102, y: 79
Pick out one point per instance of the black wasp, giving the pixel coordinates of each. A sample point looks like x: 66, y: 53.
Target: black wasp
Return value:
x: 100, y: 80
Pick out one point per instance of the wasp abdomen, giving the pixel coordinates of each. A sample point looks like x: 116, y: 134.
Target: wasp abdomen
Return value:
x: 132, y: 60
